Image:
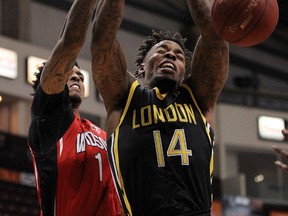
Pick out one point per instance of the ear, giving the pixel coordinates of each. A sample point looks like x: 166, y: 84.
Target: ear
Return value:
x: 141, y: 70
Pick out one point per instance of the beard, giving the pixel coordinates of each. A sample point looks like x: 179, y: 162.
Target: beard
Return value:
x: 75, y: 100
x: 164, y: 84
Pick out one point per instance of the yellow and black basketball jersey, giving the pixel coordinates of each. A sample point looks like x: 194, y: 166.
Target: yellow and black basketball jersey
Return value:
x: 161, y: 154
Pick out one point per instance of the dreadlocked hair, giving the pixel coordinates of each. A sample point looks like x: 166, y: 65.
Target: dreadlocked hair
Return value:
x: 37, y: 75
x: 157, y: 37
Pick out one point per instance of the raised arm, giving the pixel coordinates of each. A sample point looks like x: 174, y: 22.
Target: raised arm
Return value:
x: 210, y: 59
x: 108, y: 63
x: 62, y: 59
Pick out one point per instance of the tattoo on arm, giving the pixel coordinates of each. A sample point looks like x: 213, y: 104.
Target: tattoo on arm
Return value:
x: 108, y: 62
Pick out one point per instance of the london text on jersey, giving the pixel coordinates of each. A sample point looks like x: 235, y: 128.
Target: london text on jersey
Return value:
x: 151, y: 114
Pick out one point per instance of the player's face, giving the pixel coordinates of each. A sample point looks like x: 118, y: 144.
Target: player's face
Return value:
x: 165, y: 61
x: 75, y: 84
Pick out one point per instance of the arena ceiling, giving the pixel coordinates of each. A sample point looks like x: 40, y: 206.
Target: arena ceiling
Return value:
x: 170, y: 8
x: 178, y: 10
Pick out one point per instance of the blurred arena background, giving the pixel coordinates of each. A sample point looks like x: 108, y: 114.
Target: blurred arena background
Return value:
x: 246, y: 181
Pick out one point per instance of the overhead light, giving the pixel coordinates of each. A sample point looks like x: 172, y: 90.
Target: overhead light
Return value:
x: 8, y: 63
x: 259, y: 178
x: 33, y: 63
x: 269, y: 128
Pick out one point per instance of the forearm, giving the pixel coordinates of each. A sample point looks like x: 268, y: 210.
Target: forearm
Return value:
x: 77, y: 22
x: 200, y: 11
x: 210, y: 57
x: 63, y: 57
x: 107, y: 21
x: 108, y: 62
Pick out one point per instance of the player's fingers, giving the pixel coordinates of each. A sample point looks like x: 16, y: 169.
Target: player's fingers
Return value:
x: 281, y: 151
x: 282, y: 166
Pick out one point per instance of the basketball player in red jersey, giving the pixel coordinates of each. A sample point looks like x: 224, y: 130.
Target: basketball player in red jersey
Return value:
x: 69, y: 153
x: 159, y: 122
x: 282, y: 152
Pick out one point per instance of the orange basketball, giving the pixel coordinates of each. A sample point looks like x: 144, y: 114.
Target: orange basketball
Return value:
x: 245, y: 22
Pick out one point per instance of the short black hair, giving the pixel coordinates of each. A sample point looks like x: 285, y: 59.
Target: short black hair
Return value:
x: 38, y: 73
x: 37, y: 76
x: 157, y: 37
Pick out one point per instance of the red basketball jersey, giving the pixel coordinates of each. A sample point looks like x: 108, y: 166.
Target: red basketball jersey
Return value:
x: 70, y: 161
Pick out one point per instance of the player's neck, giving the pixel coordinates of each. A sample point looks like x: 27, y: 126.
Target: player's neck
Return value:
x: 77, y: 112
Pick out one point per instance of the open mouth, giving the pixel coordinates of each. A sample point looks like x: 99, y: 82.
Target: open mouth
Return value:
x: 167, y: 65
x: 75, y: 86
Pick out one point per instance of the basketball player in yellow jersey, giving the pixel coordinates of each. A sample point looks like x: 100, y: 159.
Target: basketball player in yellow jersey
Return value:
x: 160, y: 122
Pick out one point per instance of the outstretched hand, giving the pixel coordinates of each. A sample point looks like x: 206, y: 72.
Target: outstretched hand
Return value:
x: 282, y: 152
